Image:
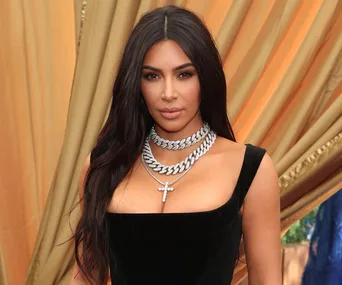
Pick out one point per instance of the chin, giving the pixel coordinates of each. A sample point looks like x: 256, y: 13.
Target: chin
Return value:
x: 171, y: 126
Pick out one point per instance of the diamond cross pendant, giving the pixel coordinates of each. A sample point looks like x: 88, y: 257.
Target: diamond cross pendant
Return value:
x: 165, y: 189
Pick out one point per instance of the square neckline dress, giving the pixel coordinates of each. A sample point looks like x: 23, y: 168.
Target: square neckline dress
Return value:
x: 183, y: 248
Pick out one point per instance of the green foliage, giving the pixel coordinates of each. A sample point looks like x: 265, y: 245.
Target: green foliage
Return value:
x: 299, y: 230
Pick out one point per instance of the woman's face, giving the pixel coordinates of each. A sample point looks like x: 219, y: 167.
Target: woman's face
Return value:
x: 171, y: 87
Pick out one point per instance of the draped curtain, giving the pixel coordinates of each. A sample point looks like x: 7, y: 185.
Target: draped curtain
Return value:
x: 37, y: 61
x: 283, y: 66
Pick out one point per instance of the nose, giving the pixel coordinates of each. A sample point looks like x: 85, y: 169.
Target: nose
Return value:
x: 169, y: 92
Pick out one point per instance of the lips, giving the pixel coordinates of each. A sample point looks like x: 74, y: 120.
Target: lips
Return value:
x: 170, y: 113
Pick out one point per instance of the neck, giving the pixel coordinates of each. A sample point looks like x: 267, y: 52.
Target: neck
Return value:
x: 186, y: 131
x: 168, y: 157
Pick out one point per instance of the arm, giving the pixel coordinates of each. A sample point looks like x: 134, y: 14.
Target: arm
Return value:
x: 76, y: 275
x: 261, y: 227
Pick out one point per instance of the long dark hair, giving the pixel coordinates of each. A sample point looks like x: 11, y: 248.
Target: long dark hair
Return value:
x: 120, y: 142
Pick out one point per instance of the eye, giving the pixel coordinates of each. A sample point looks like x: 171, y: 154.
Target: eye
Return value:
x: 150, y: 76
x: 185, y: 74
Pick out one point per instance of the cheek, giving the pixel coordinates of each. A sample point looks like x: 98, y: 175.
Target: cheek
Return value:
x: 192, y: 92
x: 150, y: 88
x: 150, y: 94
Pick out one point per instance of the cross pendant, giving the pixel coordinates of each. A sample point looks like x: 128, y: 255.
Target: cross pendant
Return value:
x: 165, y: 189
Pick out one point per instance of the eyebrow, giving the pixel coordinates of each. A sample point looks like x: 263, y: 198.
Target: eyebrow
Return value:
x: 174, y: 69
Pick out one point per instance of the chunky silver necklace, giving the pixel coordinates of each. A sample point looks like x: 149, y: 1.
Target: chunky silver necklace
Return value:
x: 179, y: 144
x: 181, y: 166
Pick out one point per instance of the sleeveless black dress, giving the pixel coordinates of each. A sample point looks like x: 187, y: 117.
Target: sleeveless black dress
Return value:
x: 196, y: 248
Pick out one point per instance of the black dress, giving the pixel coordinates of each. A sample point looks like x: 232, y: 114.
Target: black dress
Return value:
x: 197, y: 248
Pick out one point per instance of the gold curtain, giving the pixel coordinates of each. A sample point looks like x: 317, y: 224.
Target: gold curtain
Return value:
x: 282, y: 61
x: 37, y: 58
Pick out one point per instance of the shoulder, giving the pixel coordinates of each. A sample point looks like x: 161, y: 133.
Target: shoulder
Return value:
x: 262, y: 239
x: 226, y: 148
x: 231, y: 149
x: 265, y: 182
x: 229, y: 155
x: 266, y: 177
x: 264, y: 189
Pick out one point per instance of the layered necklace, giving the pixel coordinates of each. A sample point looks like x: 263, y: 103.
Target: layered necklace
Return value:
x: 152, y: 165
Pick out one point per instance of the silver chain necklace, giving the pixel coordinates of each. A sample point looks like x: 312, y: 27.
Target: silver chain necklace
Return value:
x: 179, y: 144
x: 166, y: 185
x: 181, y: 166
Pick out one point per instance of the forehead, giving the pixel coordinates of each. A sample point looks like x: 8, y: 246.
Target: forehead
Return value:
x: 166, y: 54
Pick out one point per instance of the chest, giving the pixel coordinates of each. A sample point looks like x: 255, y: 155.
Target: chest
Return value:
x: 207, y: 186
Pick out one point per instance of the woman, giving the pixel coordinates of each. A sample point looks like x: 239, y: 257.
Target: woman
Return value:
x: 164, y: 195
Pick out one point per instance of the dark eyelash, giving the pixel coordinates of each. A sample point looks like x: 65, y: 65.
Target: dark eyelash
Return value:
x: 147, y: 76
x: 184, y: 74
x: 187, y: 73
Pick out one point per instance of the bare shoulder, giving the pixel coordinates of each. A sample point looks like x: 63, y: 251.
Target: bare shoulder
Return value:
x: 231, y: 149
x: 227, y: 144
x: 265, y: 183
x: 229, y: 152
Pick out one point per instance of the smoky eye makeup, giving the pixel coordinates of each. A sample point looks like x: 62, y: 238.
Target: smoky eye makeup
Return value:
x: 150, y: 73
x: 185, y: 74
x: 181, y: 75
x: 149, y: 76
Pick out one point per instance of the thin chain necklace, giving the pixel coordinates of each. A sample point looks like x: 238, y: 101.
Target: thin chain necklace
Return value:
x: 166, y: 185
